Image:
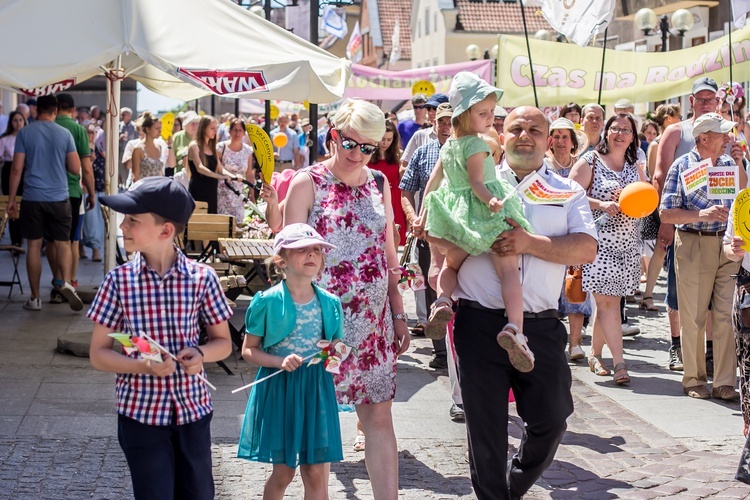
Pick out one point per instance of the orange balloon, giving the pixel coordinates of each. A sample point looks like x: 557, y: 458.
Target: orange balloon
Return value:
x: 638, y: 199
x: 280, y: 140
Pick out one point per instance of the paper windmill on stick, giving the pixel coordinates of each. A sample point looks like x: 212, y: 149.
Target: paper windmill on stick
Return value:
x: 148, y: 349
x: 331, y: 355
x: 411, y: 277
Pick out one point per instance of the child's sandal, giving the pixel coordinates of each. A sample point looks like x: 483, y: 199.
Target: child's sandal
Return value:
x: 436, y: 328
x: 512, y: 340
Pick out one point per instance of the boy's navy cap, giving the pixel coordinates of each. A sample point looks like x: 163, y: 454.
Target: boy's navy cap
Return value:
x: 160, y: 195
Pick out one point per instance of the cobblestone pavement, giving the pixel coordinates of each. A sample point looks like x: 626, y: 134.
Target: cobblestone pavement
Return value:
x: 58, y: 432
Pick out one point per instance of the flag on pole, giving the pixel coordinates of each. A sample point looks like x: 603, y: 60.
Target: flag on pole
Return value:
x: 740, y: 8
x: 334, y: 23
x: 395, y: 44
x: 354, y: 47
x: 579, y: 21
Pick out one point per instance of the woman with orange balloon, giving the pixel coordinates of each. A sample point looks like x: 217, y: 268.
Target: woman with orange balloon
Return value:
x: 608, y: 174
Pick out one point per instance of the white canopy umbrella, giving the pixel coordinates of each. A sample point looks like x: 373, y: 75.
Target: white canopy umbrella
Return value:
x: 180, y: 48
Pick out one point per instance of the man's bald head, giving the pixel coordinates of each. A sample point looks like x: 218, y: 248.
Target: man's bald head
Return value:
x: 529, y: 113
x: 526, y: 139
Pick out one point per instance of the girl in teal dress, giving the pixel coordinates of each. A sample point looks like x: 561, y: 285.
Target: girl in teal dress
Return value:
x: 468, y: 211
x: 292, y: 419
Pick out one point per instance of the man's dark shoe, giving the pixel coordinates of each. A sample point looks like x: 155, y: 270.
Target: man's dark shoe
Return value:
x: 710, y: 363
x: 697, y: 392
x: 439, y: 362
x: 725, y: 392
x: 457, y: 413
x: 675, y: 359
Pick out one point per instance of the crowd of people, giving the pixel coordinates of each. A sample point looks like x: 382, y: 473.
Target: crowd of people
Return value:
x: 495, y: 266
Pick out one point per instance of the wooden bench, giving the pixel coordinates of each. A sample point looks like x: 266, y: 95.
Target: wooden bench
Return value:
x: 14, y: 251
x: 208, y: 228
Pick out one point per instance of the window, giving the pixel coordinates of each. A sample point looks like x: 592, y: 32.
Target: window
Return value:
x: 434, y: 25
x: 427, y: 21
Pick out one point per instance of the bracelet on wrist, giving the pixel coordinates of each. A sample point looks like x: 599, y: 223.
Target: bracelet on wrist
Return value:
x: 200, y: 351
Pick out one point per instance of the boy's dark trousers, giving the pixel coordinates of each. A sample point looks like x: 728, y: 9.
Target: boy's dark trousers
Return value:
x: 170, y: 461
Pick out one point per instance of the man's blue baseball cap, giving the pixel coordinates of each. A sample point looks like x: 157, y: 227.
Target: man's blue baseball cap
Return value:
x: 159, y: 195
x: 436, y: 100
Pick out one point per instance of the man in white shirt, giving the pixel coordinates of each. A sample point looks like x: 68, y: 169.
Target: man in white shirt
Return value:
x: 563, y: 235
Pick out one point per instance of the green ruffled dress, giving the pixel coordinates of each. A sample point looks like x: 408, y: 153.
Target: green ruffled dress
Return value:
x: 454, y: 212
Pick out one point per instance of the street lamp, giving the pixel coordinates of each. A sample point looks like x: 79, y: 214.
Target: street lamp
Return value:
x: 646, y: 20
x: 473, y: 52
x: 544, y: 35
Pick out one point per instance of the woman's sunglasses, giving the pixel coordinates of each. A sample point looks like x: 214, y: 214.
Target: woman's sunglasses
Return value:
x: 349, y: 144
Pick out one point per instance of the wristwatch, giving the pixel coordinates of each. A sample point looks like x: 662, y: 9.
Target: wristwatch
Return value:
x: 402, y: 316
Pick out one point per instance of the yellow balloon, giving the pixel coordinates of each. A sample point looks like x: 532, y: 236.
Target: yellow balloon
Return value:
x: 306, y: 105
x: 274, y: 111
x: 423, y: 87
x: 280, y: 140
x: 201, y: 113
x: 262, y: 149
x: 167, y: 124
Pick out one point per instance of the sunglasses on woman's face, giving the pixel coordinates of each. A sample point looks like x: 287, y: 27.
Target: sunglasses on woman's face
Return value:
x: 349, y: 144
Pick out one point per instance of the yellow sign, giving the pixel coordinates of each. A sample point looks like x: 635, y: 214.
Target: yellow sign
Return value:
x: 262, y: 149
x: 423, y: 87
x: 167, y: 124
x: 274, y: 111
x: 741, y: 216
x: 566, y: 72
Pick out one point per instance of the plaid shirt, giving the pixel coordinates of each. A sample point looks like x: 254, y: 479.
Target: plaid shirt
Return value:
x: 133, y: 298
x: 673, y: 195
x: 420, y: 167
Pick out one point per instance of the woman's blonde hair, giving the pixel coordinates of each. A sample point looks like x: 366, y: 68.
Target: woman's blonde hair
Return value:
x: 362, y: 117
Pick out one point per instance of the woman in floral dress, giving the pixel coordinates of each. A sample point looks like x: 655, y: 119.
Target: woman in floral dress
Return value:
x: 341, y: 199
x: 237, y: 157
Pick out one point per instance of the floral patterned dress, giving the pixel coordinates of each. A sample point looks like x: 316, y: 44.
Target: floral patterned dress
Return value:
x: 236, y: 162
x: 353, y: 219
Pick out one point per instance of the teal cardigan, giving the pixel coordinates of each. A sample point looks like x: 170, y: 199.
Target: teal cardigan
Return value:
x: 273, y: 315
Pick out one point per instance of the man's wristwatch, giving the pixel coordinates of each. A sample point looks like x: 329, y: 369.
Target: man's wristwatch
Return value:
x: 402, y: 316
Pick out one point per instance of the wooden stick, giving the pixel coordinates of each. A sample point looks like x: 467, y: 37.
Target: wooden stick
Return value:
x: 269, y: 376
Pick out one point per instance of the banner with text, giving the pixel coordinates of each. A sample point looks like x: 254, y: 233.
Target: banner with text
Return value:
x: 566, y: 72
x: 378, y: 84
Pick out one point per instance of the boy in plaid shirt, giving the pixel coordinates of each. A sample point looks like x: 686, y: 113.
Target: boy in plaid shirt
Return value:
x: 164, y: 410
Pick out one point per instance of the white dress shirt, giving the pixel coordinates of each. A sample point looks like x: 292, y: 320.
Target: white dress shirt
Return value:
x: 541, y: 280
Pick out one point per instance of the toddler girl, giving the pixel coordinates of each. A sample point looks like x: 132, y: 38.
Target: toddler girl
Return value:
x: 466, y: 213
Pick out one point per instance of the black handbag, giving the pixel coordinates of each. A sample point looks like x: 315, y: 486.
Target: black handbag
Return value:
x: 650, y: 226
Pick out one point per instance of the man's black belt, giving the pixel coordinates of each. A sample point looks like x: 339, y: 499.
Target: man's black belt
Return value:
x: 702, y: 233
x: 473, y: 304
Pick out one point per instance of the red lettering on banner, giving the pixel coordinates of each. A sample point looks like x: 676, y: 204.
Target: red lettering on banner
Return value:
x: 227, y: 82
x: 52, y: 88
